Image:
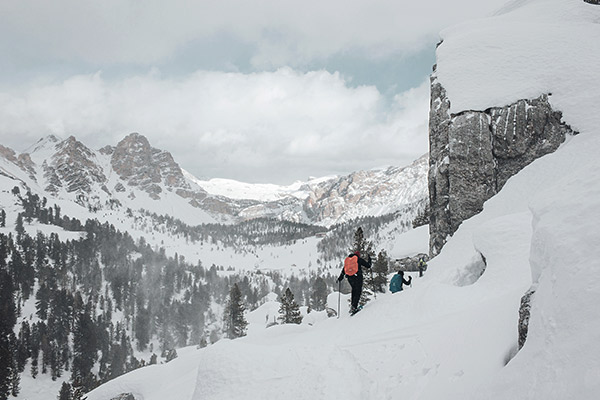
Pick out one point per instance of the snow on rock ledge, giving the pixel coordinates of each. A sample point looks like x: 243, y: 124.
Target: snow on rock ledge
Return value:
x: 474, y: 153
x: 515, y: 73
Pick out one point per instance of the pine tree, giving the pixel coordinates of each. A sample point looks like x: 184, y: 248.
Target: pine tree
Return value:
x: 15, y: 377
x: 360, y: 244
x: 318, y: 298
x: 235, y: 323
x: 19, y: 228
x: 380, y: 269
x: 65, y: 392
x: 289, y: 311
x: 84, y: 351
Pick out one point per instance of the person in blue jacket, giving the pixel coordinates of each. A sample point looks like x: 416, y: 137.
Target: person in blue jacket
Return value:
x: 398, y: 280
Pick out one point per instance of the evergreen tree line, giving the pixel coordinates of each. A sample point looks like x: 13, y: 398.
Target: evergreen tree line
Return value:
x: 255, y: 232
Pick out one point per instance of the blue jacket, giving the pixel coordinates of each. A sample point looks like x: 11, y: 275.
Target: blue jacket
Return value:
x: 397, y: 281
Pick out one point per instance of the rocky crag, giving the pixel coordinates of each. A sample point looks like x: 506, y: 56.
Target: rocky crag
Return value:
x: 133, y: 170
x: 473, y: 153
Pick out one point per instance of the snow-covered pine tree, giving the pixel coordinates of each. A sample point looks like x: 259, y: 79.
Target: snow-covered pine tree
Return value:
x: 84, y: 351
x: 380, y: 269
x: 289, y: 311
x: 360, y: 244
x: 65, y: 392
x: 234, y: 322
x: 318, y: 297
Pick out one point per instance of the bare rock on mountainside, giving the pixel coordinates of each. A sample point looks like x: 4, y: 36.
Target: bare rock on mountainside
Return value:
x: 330, y: 200
x: 474, y: 153
x: 74, y: 167
x: 141, y: 165
x: 22, y: 160
x: 8, y: 153
x: 124, y: 396
x: 524, y: 313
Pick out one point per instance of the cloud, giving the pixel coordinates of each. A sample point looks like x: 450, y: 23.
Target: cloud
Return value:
x: 273, y: 127
x: 279, y: 32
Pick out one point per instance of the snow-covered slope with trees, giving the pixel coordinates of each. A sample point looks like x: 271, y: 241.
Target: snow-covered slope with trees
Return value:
x: 454, y: 334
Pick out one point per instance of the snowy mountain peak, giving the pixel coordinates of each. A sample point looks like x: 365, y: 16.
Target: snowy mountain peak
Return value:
x: 45, y: 144
x: 73, y: 167
x: 143, y: 166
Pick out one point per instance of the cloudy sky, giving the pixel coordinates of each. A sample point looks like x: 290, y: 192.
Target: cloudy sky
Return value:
x: 266, y: 91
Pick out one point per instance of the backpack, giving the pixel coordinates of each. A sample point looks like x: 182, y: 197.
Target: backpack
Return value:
x: 351, y: 265
x: 396, y: 284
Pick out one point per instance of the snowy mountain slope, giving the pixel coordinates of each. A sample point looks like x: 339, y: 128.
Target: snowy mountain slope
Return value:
x: 454, y: 334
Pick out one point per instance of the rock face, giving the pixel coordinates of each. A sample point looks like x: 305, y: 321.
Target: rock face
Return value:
x: 124, y: 396
x: 473, y: 154
x: 380, y: 189
x: 73, y: 167
x: 409, y: 263
x: 143, y: 166
x: 22, y: 160
x: 524, y: 313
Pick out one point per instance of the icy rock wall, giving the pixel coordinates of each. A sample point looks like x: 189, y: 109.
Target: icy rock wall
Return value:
x: 473, y: 153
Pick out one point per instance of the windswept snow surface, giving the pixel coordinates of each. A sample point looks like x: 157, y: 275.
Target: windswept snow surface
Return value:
x: 453, y: 335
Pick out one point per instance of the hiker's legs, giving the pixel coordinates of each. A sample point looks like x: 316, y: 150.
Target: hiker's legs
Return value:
x: 356, y: 283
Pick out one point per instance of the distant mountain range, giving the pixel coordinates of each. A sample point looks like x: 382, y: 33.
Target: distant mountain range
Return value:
x: 136, y: 175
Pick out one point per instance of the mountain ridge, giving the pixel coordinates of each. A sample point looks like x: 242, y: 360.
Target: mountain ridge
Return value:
x: 134, y: 172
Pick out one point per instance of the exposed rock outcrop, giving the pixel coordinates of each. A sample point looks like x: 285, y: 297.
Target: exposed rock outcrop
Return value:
x: 8, y: 153
x: 409, y: 263
x: 524, y: 312
x: 474, y: 153
x: 141, y: 165
x: 124, y: 396
x: 73, y: 167
x: 381, y: 189
x: 22, y: 160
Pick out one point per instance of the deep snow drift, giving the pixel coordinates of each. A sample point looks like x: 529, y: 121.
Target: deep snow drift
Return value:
x: 453, y: 335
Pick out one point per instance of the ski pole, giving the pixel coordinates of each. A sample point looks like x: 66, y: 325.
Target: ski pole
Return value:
x: 373, y: 280
x: 339, y: 296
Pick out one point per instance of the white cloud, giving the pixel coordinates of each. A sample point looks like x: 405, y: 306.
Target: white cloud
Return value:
x: 262, y: 127
x: 282, y: 32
